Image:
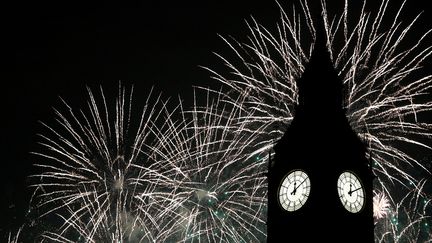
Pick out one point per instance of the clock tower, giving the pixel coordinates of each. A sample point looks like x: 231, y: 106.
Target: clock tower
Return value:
x: 319, y: 180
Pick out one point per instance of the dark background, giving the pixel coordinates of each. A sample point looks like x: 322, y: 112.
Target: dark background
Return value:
x: 54, y: 50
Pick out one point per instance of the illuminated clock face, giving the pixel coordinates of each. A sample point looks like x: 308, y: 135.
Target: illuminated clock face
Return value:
x: 351, y: 192
x: 294, y: 190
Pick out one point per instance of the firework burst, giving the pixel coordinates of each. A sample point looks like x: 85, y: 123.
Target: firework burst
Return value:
x: 382, y: 97
x: 218, y: 193
x: 385, y: 89
x: 195, y: 178
x: 381, y: 205
x: 88, y: 175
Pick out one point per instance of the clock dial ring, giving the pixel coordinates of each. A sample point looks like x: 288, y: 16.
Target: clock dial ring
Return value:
x: 294, y: 190
x: 351, y: 192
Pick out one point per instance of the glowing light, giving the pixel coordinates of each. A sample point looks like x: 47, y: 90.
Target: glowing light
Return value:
x: 381, y: 205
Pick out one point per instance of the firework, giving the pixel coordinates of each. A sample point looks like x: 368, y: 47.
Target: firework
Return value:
x: 407, y: 220
x: 194, y: 178
x: 88, y: 178
x: 385, y: 88
x: 380, y: 205
x: 382, y: 101
x: 218, y: 192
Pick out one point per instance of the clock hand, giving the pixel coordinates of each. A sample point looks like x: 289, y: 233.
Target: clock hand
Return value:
x: 356, y: 189
x: 350, y: 191
x: 295, y: 188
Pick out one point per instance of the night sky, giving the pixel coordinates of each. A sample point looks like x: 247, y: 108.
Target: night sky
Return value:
x: 56, y: 50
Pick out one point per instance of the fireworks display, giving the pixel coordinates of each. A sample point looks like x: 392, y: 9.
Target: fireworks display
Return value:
x: 125, y: 171
x: 198, y: 180
x: 384, y: 91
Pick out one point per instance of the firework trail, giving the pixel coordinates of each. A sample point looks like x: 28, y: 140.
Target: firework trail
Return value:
x: 219, y: 194
x: 14, y: 238
x: 89, y: 175
x: 385, y: 88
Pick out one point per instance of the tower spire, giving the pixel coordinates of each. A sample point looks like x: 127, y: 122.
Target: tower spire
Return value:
x: 319, y: 169
x: 320, y: 87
